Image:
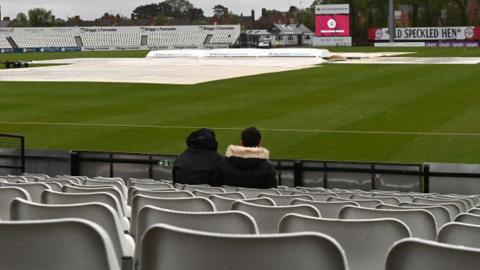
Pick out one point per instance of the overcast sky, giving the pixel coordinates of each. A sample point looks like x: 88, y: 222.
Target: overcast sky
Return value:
x: 90, y: 9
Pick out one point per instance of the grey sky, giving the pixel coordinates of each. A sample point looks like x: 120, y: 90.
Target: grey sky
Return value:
x: 89, y: 9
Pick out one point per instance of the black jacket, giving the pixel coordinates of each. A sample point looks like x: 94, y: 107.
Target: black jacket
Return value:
x: 248, y: 170
x: 199, y: 163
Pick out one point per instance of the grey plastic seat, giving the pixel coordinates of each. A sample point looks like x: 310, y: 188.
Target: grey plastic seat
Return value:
x: 418, y: 254
x: 253, y: 193
x: 475, y: 211
x: 464, y: 201
x: 400, y: 197
x: 60, y: 244
x: 431, y: 201
x: 420, y: 222
x: 326, y: 209
x: 440, y: 213
x: 366, y: 242
x: 35, y: 190
x: 468, y: 218
x: 7, y: 195
x: 179, y: 204
x: 452, y: 209
x: 385, y: 199
x: 345, y: 195
x: 231, y: 195
x: 299, y: 251
x: 110, y: 190
x: 151, y: 185
x: 101, y: 214
x: 13, y: 179
x: 53, y: 197
x: 372, y: 203
x: 460, y: 234
x: 230, y: 222
x: 159, y: 193
x: 103, y: 182
x: 225, y: 204
x: 55, y: 186
x: 282, y: 200
x: 317, y: 196
x: 268, y: 217
x: 203, y: 188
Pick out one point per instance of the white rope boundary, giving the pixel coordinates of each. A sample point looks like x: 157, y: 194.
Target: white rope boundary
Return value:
x: 286, y: 130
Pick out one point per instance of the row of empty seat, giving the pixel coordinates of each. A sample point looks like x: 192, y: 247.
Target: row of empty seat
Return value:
x: 158, y: 225
x: 119, y: 39
x: 44, y: 40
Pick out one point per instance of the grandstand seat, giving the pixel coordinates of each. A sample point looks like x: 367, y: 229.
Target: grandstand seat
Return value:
x: 72, y: 244
x: 400, y: 197
x: 253, y: 193
x: 468, y: 218
x: 118, y: 183
x: 391, y: 200
x: 326, y: 209
x: 205, y: 194
x: 366, y: 242
x: 156, y: 185
x: 13, y: 179
x: 431, y: 201
x: 317, y: 196
x: 420, y: 222
x: 361, y: 202
x: 404, y: 255
x: 225, y: 204
x: 101, y: 214
x: 452, y: 209
x: 126, y: 210
x: 282, y: 200
x: 299, y: 251
x: 34, y: 189
x: 268, y: 217
x: 460, y: 234
x: 191, y: 188
x: 53, y: 197
x: 132, y: 191
x: 440, y: 213
x: 7, y: 195
x: 196, y: 204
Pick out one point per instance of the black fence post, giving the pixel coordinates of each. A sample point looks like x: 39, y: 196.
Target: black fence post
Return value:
x: 298, y: 173
x: 426, y: 178
x: 74, y: 166
x: 22, y: 142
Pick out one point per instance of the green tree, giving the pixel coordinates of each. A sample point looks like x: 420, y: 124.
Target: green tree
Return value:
x: 161, y: 20
x: 40, y: 17
x: 21, y: 20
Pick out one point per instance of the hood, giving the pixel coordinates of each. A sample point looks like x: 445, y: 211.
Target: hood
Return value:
x: 247, y: 152
x: 203, y: 139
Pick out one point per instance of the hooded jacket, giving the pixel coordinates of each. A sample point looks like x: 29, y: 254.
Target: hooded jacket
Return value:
x: 199, y: 163
x: 247, y: 167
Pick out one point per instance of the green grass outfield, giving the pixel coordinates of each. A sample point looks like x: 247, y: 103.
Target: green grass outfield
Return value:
x: 388, y: 113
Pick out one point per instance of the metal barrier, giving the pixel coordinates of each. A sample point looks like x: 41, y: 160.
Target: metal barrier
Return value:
x: 12, y: 154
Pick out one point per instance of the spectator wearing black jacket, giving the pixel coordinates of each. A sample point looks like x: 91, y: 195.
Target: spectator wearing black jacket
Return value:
x: 199, y: 163
x: 248, y: 165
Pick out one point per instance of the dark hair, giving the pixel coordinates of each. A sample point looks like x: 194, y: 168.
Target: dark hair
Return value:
x: 251, y: 137
x: 202, y: 139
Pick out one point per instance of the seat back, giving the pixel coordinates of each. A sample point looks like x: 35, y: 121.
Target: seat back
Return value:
x: 203, y: 188
x: 385, y: 199
x: 282, y: 200
x: 231, y: 195
x: 452, y: 209
x: 367, y: 203
x: 432, y: 201
x: 253, y: 192
x: 100, y: 214
x: 460, y: 234
x: 72, y: 244
x: 400, y: 197
x: 225, y: 204
x: 35, y: 190
x: 110, y: 190
x: 404, y: 255
x: 420, y: 222
x: 317, y: 196
x: 179, y: 204
x: 268, y: 217
x: 7, y: 195
x: 366, y: 242
x: 468, y: 218
x: 299, y: 251
x: 440, y: 213
x: 326, y: 209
